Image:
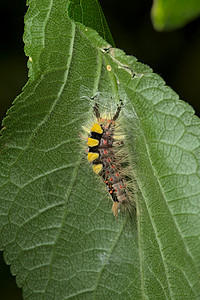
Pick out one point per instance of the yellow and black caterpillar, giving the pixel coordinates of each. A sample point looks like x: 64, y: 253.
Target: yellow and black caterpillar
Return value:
x: 102, y: 144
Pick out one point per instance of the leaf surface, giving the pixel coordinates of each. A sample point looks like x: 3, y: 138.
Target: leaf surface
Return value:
x: 57, y: 230
x: 89, y: 13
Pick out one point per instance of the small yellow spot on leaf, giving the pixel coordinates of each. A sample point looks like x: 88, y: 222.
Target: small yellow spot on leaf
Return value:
x: 109, y: 68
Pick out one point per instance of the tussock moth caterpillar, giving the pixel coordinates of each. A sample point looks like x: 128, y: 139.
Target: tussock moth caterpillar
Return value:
x: 109, y: 159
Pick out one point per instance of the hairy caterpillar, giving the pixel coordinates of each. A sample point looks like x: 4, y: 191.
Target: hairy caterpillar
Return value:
x: 105, y: 153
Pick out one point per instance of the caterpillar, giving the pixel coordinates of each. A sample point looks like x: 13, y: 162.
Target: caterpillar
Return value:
x: 103, y: 153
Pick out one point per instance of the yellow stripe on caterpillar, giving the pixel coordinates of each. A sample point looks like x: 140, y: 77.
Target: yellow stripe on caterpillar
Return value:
x: 97, y: 128
x: 92, y: 142
x: 92, y: 156
x: 97, y: 168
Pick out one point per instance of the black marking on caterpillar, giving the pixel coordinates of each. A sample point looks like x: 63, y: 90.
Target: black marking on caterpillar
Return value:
x: 102, y: 154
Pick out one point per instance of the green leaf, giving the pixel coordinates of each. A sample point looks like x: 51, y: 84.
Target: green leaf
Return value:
x: 89, y: 13
x: 57, y: 230
x: 172, y: 14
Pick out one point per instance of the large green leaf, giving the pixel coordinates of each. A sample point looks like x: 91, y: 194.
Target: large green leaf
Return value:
x: 57, y: 230
x: 171, y: 14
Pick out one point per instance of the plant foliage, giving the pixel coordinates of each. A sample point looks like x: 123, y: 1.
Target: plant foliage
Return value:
x: 57, y: 230
x: 172, y: 14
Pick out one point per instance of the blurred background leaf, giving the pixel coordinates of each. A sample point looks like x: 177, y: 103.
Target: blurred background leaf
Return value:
x: 172, y: 14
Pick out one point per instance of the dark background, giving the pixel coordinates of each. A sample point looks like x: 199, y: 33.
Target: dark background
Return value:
x: 174, y: 56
